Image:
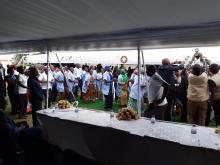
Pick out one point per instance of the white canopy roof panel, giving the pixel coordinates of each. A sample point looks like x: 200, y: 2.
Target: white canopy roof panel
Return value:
x: 153, y: 22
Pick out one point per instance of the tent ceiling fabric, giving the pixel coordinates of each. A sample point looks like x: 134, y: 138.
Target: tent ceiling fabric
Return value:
x: 94, y: 24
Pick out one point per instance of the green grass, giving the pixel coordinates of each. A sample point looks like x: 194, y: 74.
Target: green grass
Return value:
x: 15, y: 117
x: 99, y: 105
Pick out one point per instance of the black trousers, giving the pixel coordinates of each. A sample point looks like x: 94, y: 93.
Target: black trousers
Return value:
x: 36, y: 105
x: 23, y: 102
x: 2, y: 94
x: 14, y: 100
x: 80, y: 84
x: 108, y: 101
x: 75, y: 90
x: 208, y: 114
x: 183, y: 100
x: 170, y: 100
x: 157, y: 111
x: 216, y: 107
x: 45, y: 97
x: 54, y: 93
x: 115, y: 86
x: 2, y: 100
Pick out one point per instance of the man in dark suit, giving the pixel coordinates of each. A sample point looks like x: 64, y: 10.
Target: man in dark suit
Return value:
x: 36, y: 93
x: 166, y: 71
x: 2, y: 71
x: 2, y: 93
x: 2, y: 87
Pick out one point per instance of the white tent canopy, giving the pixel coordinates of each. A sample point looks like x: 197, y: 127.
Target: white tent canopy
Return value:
x: 96, y: 24
x: 151, y: 56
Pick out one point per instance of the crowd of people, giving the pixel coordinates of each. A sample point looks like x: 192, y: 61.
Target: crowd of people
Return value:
x: 195, y: 91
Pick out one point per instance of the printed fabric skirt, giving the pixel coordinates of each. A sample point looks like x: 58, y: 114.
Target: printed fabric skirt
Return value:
x: 124, y: 95
x: 134, y: 105
x: 90, y: 96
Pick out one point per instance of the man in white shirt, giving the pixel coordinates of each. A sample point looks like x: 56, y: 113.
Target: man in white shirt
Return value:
x: 60, y: 79
x: 54, y: 92
x: 78, y: 76
x: 108, y: 88
x: 43, y: 80
x: 22, y: 91
x: 71, y: 84
x: 157, y: 91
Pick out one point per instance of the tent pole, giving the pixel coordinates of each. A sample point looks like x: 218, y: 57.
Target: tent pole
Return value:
x: 139, y: 81
x: 47, y: 75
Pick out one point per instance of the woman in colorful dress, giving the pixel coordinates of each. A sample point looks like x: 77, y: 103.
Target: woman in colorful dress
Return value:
x: 133, y: 97
x: 89, y: 93
x: 122, y: 88
x: 92, y: 87
x: 99, y: 79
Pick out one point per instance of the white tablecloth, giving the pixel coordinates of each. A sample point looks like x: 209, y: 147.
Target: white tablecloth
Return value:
x: 180, y: 133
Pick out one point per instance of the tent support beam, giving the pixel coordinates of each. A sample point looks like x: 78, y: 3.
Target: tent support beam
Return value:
x: 139, y: 81
x: 47, y: 75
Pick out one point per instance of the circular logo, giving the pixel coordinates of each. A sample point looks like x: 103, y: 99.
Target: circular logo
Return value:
x: 124, y: 59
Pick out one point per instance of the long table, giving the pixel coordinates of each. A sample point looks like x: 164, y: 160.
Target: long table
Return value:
x: 96, y: 135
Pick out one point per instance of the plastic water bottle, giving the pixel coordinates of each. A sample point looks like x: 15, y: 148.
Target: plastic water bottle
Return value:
x: 194, y: 134
x: 152, y: 120
x: 111, y: 114
x: 76, y: 109
x: 55, y: 108
x: 76, y: 104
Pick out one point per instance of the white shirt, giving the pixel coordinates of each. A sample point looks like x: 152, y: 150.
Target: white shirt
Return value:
x: 155, y: 89
x: 197, y: 61
x: 94, y: 74
x: 134, y: 87
x: 60, y: 77
x: 144, y: 82
x: 23, y: 80
x: 71, y: 77
x: 106, y: 85
x: 99, y: 80
x: 131, y: 78
x: 43, y: 77
x: 78, y: 72
x: 16, y: 72
x: 99, y: 76
x: 86, y: 82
